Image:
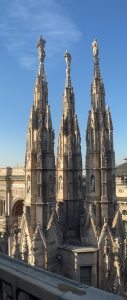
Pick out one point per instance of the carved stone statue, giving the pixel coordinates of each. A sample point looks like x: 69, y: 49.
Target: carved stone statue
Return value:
x: 41, y: 52
x: 41, y: 44
x: 95, y: 49
x: 68, y: 68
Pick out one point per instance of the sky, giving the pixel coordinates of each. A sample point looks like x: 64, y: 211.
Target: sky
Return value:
x: 65, y: 25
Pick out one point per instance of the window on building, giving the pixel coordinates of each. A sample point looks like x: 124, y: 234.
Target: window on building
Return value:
x: 2, y: 207
x: 17, y: 210
x: 86, y: 275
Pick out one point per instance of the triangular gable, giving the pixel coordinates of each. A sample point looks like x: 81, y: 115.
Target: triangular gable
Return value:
x: 90, y: 234
x: 105, y: 232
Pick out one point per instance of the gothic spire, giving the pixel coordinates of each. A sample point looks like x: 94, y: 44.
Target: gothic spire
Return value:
x: 41, y: 52
x: 97, y: 87
x: 96, y: 59
x: 68, y: 68
x: 41, y: 89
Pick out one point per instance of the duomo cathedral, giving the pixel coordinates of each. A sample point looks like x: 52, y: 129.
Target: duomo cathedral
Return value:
x: 46, y: 218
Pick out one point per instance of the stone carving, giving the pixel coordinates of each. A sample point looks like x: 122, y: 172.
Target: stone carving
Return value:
x: 18, y: 192
x: 68, y: 68
x: 2, y: 207
x: 41, y: 45
x: 107, y: 255
x: 95, y: 49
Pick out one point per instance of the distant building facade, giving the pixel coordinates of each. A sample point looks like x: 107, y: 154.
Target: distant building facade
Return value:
x: 12, y: 194
x: 65, y: 228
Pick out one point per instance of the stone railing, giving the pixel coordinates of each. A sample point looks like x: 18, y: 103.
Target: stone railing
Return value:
x: 20, y: 281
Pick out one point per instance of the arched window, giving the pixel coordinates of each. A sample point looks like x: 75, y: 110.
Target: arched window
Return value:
x: 60, y: 184
x: 92, y: 182
x: 2, y: 207
x: 17, y: 210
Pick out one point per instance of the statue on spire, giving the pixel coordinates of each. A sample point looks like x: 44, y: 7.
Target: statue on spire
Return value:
x: 97, y: 73
x: 95, y: 49
x: 41, y: 45
x: 68, y: 68
x: 41, y: 51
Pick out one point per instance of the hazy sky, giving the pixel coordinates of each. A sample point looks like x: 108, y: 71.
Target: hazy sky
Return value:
x: 65, y: 24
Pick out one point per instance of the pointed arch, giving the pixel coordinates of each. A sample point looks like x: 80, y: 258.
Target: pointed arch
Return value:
x: 17, y: 209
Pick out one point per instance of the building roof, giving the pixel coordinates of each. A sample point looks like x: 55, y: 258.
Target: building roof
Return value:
x: 121, y: 170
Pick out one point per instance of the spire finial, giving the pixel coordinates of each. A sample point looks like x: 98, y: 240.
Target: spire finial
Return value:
x: 68, y: 68
x: 95, y: 49
x: 96, y: 58
x: 41, y: 51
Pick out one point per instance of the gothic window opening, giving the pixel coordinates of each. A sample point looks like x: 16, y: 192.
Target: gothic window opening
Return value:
x: 92, y: 182
x: 2, y: 207
x: 60, y: 185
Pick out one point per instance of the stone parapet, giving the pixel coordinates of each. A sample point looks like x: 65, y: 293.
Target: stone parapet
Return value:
x: 21, y: 281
